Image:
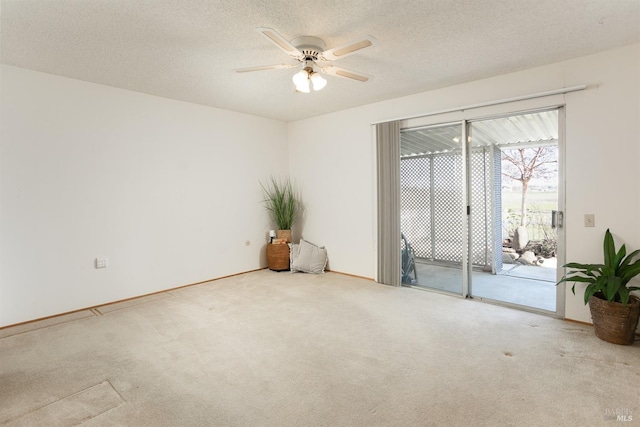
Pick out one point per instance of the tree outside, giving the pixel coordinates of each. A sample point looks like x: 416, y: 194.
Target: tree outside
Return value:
x: 530, y: 178
x: 526, y: 164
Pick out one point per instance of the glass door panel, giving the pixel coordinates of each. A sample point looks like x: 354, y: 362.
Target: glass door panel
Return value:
x: 513, y: 188
x: 433, y: 207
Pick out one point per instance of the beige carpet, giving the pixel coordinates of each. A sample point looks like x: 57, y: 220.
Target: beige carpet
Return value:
x: 281, y: 349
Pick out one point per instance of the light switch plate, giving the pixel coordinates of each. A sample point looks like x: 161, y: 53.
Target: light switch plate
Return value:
x: 589, y: 220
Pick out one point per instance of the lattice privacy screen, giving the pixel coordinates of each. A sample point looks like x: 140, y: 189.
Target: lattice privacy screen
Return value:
x: 481, y: 207
x: 416, y: 204
x: 432, y: 207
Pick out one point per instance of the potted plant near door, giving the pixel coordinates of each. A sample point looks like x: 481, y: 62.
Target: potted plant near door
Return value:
x: 614, y: 311
x: 281, y: 199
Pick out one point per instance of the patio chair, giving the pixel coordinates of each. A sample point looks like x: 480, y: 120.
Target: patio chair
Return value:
x: 409, y: 272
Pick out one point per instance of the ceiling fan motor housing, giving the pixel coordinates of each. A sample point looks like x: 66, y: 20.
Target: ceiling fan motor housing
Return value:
x: 310, y: 46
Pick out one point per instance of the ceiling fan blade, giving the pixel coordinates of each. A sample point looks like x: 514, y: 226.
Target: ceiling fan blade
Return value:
x: 347, y: 49
x: 332, y: 70
x: 265, y: 67
x: 280, y: 41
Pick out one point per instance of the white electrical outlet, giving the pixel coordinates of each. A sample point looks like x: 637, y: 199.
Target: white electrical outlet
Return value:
x: 589, y: 220
x: 102, y: 262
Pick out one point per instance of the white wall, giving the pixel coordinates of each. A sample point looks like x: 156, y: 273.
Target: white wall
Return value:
x: 332, y: 157
x: 168, y: 191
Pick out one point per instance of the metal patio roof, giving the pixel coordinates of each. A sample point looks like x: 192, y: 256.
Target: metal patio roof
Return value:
x: 540, y: 128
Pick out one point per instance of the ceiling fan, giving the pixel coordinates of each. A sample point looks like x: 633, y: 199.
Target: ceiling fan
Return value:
x: 310, y: 52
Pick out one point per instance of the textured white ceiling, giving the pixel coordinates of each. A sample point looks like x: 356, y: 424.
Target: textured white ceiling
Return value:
x: 188, y: 49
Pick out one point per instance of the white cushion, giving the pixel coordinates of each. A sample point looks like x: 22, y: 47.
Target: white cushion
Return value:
x: 294, y: 251
x: 309, y: 259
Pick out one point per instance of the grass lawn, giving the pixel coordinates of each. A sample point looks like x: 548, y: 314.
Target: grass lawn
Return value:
x: 539, y: 207
x: 536, y: 200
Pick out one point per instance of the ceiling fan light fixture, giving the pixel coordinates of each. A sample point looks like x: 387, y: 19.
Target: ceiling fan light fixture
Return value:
x: 318, y: 81
x: 302, y: 84
x: 300, y: 78
x: 306, y: 77
x: 304, y: 88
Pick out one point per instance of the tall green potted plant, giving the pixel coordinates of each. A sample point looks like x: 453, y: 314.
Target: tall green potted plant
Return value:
x: 281, y: 199
x: 615, y: 312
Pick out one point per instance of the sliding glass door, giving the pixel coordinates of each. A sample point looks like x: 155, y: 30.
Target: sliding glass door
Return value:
x: 460, y: 208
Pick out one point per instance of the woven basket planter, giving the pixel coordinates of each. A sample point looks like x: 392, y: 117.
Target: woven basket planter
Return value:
x: 285, y: 234
x: 278, y: 257
x: 614, y: 322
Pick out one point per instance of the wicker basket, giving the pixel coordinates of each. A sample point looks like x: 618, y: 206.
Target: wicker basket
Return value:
x: 278, y: 257
x: 614, y: 322
x: 285, y: 234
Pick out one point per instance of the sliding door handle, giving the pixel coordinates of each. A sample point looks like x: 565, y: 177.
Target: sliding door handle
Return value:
x: 557, y: 218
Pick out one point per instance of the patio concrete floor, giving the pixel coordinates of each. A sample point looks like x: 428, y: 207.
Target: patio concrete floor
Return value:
x: 530, y: 286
